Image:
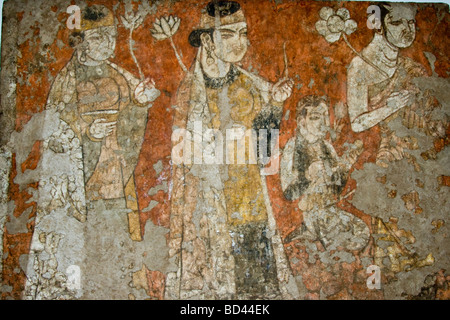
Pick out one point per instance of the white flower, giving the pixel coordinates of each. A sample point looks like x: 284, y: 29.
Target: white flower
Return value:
x: 333, y: 24
x: 132, y: 21
x: 165, y: 27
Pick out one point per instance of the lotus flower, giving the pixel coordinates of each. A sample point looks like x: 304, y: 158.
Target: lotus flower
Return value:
x: 333, y: 24
x: 165, y: 27
x: 132, y: 21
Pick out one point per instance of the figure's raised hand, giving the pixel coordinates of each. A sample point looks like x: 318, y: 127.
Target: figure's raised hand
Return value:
x: 101, y: 128
x: 315, y: 171
x: 146, y: 91
x: 282, y: 90
x: 398, y: 100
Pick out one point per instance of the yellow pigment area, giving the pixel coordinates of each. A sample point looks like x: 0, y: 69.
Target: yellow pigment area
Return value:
x: 243, y: 191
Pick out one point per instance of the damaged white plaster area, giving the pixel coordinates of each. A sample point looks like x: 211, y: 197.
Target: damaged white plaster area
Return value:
x: 69, y: 232
x: 100, y: 246
x: 102, y: 250
x: 5, y: 165
x: 112, y: 257
x: 401, y: 178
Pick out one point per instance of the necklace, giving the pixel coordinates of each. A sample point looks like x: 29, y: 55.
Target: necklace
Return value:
x: 217, y: 83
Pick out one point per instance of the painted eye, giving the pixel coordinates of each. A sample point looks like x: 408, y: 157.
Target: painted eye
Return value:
x: 396, y: 23
x: 227, y: 36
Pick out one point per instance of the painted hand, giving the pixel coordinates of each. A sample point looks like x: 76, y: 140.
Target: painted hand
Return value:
x: 282, y: 90
x: 100, y: 128
x: 146, y: 92
x: 315, y: 172
x: 398, y: 100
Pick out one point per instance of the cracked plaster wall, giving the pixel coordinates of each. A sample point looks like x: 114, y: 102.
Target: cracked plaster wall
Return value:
x: 57, y: 243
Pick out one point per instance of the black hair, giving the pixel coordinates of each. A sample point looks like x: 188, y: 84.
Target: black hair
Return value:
x: 307, y: 102
x: 266, y: 121
x: 195, y: 36
x: 384, y: 11
x: 221, y: 8
x: 75, y: 38
x: 301, y: 163
x: 94, y: 13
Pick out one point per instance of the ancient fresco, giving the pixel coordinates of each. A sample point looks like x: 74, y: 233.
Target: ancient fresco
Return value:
x: 276, y: 150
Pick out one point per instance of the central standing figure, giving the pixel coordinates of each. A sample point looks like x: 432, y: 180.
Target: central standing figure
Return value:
x: 220, y: 230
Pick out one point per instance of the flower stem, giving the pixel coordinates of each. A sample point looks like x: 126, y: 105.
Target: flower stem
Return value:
x: 141, y: 74
x: 362, y: 57
x: 286, y: 69
x: 177, y: 55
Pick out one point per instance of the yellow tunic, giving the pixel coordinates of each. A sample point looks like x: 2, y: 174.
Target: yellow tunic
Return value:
x: 243, y: 190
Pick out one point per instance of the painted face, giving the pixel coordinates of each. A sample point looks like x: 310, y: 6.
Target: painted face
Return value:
x: 231, y: 42
x: 315, y: 124
x: 100, y: 43
x: 400, y: 26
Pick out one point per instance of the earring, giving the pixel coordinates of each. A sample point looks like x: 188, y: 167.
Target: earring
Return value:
x: 209, y: 58
x: 379, y: 30
x: 83, y: 56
